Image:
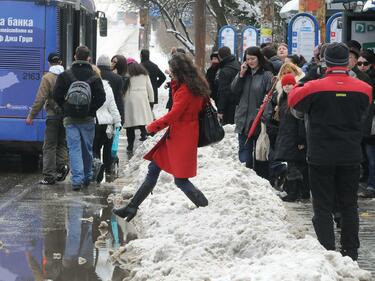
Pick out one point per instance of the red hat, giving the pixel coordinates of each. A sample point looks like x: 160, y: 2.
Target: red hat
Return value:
x: 288, y: 79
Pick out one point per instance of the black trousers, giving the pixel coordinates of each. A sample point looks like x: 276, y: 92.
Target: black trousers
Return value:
x: 329, y: 183
x: 102, y: 141
x: 130, y: 134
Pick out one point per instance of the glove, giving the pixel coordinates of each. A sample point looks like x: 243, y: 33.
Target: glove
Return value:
x: 118, y: 125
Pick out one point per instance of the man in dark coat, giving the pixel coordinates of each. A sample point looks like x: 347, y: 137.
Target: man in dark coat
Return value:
x: 80, y: 132
x: 270, y: 53
x: 229, y: 67
x: 211, y: 75
x: 157, y: 77
x: 335, y: 108
x: 114, y: 80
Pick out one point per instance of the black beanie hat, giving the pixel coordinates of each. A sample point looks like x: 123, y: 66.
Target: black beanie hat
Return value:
x: 214, y: 55
x: 54, y: 58
x: 337, y: 54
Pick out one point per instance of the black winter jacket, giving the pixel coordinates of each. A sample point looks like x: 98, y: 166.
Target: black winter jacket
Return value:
x: 82, y: 70
x: 229, y: 67
x: 291, y: 134
x: 368, y: 138
x: 250, y: 91
x: 157, y: 77
x: 115, y: 81
x: 276, y: 64
x: 211, y: 76
x: 335, y: 108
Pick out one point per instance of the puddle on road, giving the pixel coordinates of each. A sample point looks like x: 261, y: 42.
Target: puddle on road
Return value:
x: 62, y: 235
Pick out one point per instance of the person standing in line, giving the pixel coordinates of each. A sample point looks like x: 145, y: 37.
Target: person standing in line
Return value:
x: 290, y: 144
x: 108, y: 119
x: 364, y: 64
x: 250, y: 87
x: 335, y: 108
x: 116, y: 83
x: 55, y: 155
x: 282, y: 51
x: 137, y: 102
x: 80, y: 131
x: 176, y: 152
x: 157, y: 77
x: 211, y: 75
x: 119, y: 65
x: 114, y: 80
x: 228, y: 69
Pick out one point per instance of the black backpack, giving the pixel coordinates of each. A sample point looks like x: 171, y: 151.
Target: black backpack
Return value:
x: 78, y: 98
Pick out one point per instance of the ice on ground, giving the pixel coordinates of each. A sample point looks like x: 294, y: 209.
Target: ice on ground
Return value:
x: 243, y: 234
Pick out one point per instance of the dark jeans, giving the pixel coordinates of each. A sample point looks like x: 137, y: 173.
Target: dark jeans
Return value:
x: 327, y: 184
x: 130, y: 134
x: 245, y: 150
x: 153, y: 175
x: 102, y: 141
x: 55, y: 154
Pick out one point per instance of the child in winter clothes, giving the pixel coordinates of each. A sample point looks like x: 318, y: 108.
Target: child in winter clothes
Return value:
x: 290, y: 144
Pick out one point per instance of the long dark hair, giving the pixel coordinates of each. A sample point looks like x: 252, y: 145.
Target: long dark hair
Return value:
x: 121, y: 65
x: 135, y: 69
x: 255, y: 51
x: 184, y: 71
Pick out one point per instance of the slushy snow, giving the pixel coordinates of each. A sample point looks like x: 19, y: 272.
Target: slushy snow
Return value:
x: 243, y: 234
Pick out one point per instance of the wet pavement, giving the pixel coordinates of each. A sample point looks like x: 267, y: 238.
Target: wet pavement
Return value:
x: 54, y: 233
x: 300, y: 215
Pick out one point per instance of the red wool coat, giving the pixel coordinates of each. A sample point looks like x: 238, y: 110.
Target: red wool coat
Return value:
x: 177, y: 153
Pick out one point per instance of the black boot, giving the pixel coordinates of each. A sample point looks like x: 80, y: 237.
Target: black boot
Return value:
x: 292, y: 191
x: 196, y: 196
x: 130, y: 210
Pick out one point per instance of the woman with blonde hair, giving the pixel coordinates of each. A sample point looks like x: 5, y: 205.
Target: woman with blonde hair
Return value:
x: 287, y: 68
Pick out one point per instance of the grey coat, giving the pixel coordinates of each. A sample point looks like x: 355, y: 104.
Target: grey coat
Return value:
x: 250, y: 90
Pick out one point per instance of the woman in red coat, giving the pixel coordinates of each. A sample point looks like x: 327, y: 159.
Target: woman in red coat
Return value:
x: 176, y: 152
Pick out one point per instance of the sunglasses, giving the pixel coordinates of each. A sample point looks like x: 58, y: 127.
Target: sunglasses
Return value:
x: 365, y: 63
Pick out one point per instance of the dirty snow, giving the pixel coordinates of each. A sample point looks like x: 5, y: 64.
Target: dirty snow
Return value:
x: 242, y: 235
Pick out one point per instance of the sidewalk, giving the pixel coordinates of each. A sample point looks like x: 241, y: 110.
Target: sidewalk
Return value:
x: 300, y: 215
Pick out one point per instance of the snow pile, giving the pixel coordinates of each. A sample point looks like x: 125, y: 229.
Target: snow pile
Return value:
x: 242, y: 235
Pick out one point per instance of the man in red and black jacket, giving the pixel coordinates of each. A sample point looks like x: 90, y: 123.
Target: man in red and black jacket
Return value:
x: 335, y: 108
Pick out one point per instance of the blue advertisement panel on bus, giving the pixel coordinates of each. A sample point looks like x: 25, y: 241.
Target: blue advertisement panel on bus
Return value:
x: 22, y: 43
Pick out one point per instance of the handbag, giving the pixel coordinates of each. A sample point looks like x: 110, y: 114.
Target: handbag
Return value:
x: 262, y: 146
x: 210, y: 129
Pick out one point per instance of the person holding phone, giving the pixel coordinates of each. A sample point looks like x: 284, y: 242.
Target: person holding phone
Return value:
x: 250, y: 87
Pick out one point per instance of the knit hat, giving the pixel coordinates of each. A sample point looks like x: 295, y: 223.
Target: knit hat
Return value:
x: 54, y: 58
x: 288, y: 79
x: 354, y: 51
x: 337, y: 54
x: 103, y: 60
x: 130, y: 60
x: 214, y: 55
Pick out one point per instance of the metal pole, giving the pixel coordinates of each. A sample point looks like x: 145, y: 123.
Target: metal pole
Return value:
x: 200, y: 33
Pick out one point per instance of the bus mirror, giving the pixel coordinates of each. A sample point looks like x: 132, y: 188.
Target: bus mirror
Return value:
x: 103, y: 26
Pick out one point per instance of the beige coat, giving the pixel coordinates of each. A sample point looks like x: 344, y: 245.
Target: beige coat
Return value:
x: 137, y: 101
x: 44, y: 96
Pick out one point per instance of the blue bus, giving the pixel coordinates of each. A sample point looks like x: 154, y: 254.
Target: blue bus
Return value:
x: 29, y: 31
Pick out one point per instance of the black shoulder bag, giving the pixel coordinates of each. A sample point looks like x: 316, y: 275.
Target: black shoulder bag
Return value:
x: 210, y: 129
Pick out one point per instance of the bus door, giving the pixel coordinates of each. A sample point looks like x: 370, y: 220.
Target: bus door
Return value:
x: 22, y: 37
